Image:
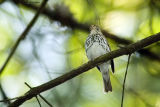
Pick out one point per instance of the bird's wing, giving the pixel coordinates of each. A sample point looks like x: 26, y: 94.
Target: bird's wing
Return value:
x: 112, y: 62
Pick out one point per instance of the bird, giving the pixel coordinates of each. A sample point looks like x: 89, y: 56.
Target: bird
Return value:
x: 96, y: 45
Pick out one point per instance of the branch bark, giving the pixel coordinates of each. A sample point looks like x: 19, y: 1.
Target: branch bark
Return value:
x: 85, y: 67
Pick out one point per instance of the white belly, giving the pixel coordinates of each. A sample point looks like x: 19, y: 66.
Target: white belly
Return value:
x: 95, y: 51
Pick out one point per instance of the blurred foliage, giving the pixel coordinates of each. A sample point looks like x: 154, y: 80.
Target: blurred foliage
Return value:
x: 51, y: 50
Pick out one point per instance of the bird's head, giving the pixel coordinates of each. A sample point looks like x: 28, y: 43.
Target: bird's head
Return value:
x: 94, y: 29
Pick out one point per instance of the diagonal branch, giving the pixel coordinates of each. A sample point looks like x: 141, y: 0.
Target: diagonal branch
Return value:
x: 23, y: 35
x: 69, y: 21
x: 85, y: 67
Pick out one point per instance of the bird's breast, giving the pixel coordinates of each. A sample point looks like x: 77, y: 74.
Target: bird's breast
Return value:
x: 96, y: 38
x: 95, y: 50
x: 96, y: 45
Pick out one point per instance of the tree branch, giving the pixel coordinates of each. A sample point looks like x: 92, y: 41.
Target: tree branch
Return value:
x: 69, y: 21
x: 23, y: 35
x: 85, y: 67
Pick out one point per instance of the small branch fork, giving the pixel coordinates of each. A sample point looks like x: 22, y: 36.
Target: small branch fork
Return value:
x: 85, y: 67
x: 50, y: 105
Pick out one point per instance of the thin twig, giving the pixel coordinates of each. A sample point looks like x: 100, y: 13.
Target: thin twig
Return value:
x: 38, y: 101
x: 40, y: 95
x: 45, y: 100
x: 23, y: 35
x: 4, y: 96
x: 35, y: 96
x: 125, y: 80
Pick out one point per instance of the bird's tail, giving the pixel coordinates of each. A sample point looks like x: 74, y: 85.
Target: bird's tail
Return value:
x: 106, y: 77
x: 107, y: 84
